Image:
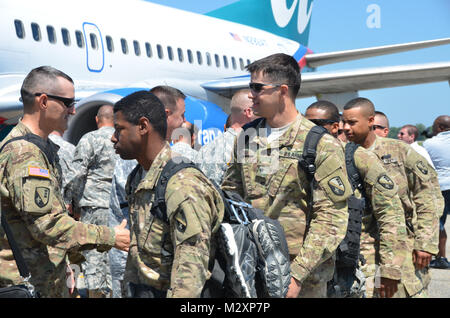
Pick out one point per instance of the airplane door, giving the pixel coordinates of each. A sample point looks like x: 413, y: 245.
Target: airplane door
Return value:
x: 95, y: 54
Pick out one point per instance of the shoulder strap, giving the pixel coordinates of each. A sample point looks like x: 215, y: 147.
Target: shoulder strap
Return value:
x: 253, y: 123
x: 159, y: 208
x: 39, y: 142
x: 307, y: 163
x: 352, y: 171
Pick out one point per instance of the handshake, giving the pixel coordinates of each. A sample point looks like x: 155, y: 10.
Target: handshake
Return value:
x: 122, y: 236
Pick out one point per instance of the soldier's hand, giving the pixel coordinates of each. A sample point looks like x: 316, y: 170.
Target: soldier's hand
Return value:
x: 294, y: 288
x: 388, y: 287
x: 122, y: 236
x: 421, y: 259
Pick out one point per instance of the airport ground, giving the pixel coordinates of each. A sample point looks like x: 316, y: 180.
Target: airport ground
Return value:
x: 440, y: 278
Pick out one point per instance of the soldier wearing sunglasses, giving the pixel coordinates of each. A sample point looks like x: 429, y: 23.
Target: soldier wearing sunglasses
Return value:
x: 264, y: 171
x: 31, y: 192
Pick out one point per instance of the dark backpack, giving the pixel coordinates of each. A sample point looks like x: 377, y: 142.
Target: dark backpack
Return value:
x: 348, y: 251
x: 252, y: 258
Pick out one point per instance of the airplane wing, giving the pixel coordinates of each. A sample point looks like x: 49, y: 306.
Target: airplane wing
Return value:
x: 314, y: 83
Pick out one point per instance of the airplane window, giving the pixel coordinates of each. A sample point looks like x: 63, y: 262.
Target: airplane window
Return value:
x: 124, y: 44
x: 208, y: 59
x: 233, y: 62
x: 225, y: 61
x: 199, y: 58
x: 80, y: 39
x: 148, y: 48
x: 180, y: 55
x: 51, y: 34
x: 65, y: 36
x: 20, y: 31
x: 170, y: 53
x: 216, y: 57
x: 160, y: 51
x: 137, y: 48
x: 36, y: 30
x: 241, y: 62
x: 109, y: 43
x: 190, y: 57
x: 94, y: 43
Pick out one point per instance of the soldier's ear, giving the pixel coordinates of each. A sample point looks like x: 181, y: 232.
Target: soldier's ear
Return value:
x: 143, y: 126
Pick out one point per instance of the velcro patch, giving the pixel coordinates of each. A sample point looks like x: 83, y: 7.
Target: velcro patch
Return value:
x: 41, y: 196
x: 386, y: 182
x: 38, y: 172
x: 422, y: 167
x: 337, y: 186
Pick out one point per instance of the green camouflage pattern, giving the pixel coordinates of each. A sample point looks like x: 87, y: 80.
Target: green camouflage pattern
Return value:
x: 268, y: 177
x: 383, y: 233
x: 174, y: 256
x: 420, y: 197
x: 37, y: 216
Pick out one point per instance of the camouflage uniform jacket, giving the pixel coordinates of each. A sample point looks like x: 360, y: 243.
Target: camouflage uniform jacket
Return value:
x: 65, y: 154
x: 92, y: 169
x: 268, y: 177
x: 213, y: 158
x: 32, y: 202
x: 172, y: 256
x: 417, y: 181
x: 383, y: 228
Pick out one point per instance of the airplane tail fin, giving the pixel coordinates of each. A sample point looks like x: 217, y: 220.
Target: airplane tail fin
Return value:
x: 286, y: 18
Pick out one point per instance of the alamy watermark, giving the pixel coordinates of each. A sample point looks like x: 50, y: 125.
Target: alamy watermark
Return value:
x: 374, y: 19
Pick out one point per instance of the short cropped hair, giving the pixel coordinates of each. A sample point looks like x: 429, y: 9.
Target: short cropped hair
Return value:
x: 41, y: 79
x: 330, y: 109
x: 363, y: 103
x: 412, y: 130
x: 144, y: 104
x: 168, y: 95
x: 379, y: 113
x: 279, y: 68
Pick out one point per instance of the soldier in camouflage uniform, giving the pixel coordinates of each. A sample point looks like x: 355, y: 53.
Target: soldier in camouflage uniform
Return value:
x: 65, y: 154
x: 416, y: 183
x: 30, y: 192
x: 264, y: 171
x: 213, y: 158
x: 165, y: 259
x: 383, y: 232
x: 118, y: 210
x: 90, y: 187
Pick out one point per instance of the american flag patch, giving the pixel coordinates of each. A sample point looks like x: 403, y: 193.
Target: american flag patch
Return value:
x: 38, y: 172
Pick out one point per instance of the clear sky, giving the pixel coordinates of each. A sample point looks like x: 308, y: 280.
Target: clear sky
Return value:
x: 342, y: 25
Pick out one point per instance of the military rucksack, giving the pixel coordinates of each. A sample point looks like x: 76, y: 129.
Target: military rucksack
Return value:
x: 252, y: 258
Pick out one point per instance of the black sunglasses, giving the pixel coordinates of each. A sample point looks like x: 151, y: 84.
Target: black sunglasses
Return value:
x: 257, y: 87
x: 68, y: 102
x: 377, y: 127
x: 322, y: 122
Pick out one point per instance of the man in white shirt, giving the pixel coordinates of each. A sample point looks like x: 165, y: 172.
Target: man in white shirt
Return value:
x: 409, y: 134
x: 438, y: 148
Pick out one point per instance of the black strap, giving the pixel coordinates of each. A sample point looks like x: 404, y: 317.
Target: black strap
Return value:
x: 307, y: 163
x: 20, y: 261
x: 352, y: 172
x: 159, y: 208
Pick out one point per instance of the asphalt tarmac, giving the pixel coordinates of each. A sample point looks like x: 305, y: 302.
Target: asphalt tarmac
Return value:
x: 440, y: 278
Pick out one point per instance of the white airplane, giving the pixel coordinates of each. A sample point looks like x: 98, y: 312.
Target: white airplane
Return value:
x: 114, y: 47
